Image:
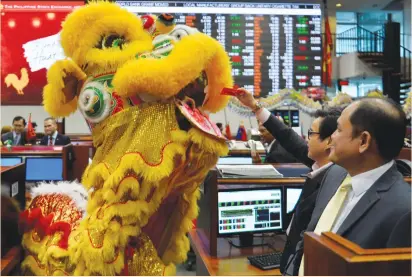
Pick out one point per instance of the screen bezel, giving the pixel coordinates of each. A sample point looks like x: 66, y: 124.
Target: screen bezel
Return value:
x: 43, y: 158
x: 285, y: 193
x: 265, y: 187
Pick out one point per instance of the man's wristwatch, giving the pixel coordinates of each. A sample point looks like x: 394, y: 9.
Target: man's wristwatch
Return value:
x: 257, y: 107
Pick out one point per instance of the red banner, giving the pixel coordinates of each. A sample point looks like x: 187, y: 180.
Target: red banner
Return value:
x: 327, y: 55
x: 38, y: 6
x: 29, y: 46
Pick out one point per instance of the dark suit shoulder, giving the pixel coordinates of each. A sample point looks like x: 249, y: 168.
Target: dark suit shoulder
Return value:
x: 6, y: 136
x: 62, y: 140
x: 334, y: 170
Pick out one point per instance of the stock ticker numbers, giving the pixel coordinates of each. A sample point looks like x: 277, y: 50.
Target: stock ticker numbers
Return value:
x: 271, y: 46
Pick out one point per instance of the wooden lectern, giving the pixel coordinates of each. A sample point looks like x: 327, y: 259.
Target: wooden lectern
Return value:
x: 332, y: 255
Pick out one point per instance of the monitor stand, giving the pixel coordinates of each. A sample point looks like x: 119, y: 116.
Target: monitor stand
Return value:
x: 247, y: 240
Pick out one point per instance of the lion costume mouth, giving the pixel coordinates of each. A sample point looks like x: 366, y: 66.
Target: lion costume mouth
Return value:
x: 189, y: 64
x: 196, y: 90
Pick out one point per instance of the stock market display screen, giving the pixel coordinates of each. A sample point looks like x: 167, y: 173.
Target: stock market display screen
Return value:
x: 272, y: 46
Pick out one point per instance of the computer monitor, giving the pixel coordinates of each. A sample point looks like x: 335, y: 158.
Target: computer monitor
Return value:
x: 248, y: 211
x: 10, y: 161
x: 272, y: 45
x: 292, y: 197
x: 44, y: 169
x: 235, y: 160
x: 290, y: 117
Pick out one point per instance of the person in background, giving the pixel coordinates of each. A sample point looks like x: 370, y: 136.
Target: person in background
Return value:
x: 275, y: 153
x: 18, y: 135
x: 39, y: 135
x: 52, y: 136
x: 34, y: 124
x: 363, y: 197
x: 220, y: 126
x: 314, y: 154
x: 6, y: 129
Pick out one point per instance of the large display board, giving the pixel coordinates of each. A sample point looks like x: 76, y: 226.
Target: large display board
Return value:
x: 272, y: 45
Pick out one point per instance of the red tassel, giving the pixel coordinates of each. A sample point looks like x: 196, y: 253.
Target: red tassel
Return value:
x: 63, y: 227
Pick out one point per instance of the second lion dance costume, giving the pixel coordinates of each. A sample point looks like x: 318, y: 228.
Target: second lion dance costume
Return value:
x: 145, y: 86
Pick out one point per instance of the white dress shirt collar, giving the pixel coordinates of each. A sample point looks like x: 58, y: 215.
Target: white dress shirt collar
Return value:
x: 54, y: 136
x: 270, y: 146
x: 316, y: 170
x: 362, y: 182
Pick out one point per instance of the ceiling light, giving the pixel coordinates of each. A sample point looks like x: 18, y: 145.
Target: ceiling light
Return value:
x: 338, y: 5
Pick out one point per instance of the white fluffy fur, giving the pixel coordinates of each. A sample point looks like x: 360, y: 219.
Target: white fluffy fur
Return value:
x: 74, y: 190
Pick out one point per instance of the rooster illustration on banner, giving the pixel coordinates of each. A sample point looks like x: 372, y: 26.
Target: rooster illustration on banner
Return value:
x: 18, y: 83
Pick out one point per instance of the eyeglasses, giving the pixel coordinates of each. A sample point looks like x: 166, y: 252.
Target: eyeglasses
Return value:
x: 310, y: 132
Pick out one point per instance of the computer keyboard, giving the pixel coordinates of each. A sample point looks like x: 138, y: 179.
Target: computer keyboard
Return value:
x: 267, y: 261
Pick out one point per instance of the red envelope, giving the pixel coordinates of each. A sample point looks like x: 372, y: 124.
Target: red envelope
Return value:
x: 231, y: 91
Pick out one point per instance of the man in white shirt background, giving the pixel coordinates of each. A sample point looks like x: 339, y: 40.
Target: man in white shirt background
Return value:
x: 52, y: 136
x: 364, y: 198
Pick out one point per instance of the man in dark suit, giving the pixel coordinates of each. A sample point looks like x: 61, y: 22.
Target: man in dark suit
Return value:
x: 314, y: 154
x: 52, y: 137
x: 364, y: 198
x: 275, y: 153
x: 18, y: 135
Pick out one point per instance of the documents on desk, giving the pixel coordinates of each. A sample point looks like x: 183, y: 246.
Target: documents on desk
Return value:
x: 252, y: 171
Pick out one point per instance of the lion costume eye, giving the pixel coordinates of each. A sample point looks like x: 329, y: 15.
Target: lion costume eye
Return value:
x: 178, y: 34
x: 111, y: 41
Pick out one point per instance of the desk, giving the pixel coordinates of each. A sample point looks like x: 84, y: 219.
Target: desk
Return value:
x: 244, y: 152
x: 83, y: 150
x: 230, y: 261
x: 11, y: 261
x: 43, y: 151
x: 13, y: 183
x: 80, y: 137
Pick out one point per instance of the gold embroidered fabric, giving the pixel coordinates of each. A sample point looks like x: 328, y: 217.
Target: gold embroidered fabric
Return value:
x: 63, y: 207
x: 143, y: 130
x: 145, y: 261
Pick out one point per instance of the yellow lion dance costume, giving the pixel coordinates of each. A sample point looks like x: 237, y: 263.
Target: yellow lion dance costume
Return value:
x: 145, y: 87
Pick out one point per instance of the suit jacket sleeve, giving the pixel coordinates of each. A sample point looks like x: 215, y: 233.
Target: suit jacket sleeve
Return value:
x: 289, y: 140
x: 4, y: 138
x: 401, y: 233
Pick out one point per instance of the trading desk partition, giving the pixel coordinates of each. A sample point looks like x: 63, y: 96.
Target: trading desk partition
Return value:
x: 13, y: 183
x: 332, y: 255
x: 208, y: 223
x: 44, y: 163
